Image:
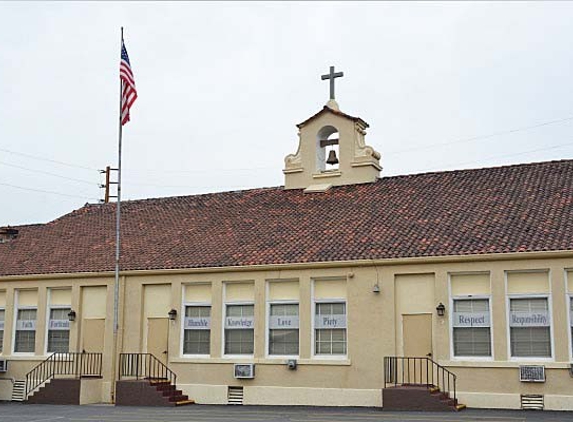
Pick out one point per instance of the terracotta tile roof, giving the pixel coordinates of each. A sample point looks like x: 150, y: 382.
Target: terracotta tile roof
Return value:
x: 519, y: 208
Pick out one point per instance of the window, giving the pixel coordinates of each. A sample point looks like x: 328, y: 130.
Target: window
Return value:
x: 471, y: 327
x: 530, y: 327
x: 197, y: 330
x: 2, y: 313
x: 239, y: 330
x: 25, y: 331
x: 59, y: 330
x: 571, y: 320
x: 330, y: 328
x: 283, y: 329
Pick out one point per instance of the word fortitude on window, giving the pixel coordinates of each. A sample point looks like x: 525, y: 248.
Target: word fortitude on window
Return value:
x: 59, y: 324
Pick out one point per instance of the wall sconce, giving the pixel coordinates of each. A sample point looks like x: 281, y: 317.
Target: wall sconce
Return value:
x: 72, y: 316
x: 172, y: 314
x: 441, y: 309
x: 376, y: 288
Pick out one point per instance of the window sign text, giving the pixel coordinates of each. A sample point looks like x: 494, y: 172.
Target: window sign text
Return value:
x: 330, y: 321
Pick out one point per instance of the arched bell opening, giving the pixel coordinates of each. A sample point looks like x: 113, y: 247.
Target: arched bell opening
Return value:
x: 327, y: 149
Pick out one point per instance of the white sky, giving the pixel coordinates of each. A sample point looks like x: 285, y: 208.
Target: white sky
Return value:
x: 222, y: 85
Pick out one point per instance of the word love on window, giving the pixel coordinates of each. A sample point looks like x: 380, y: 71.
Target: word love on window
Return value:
x: 290, y: 321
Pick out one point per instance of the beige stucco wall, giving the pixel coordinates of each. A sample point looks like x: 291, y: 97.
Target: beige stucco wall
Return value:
x: 374, y: 326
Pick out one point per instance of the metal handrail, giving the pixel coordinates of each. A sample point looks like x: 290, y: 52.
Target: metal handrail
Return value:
x: 419, y: 371
x: 144, y: 366
x: 75, y: 364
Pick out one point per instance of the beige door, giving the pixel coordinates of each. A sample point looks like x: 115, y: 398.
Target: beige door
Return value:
x: 417, y: 335
x: 157, y: 338
x: 93, y: 334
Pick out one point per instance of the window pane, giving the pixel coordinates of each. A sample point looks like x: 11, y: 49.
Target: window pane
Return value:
x: 58, y: 341
x: 529, y: 305
x: 59, y: 313
x: 25, y: 341
x: 197, y: 311
x: 471, y: 305
x: 240, y: 310
x: 239, y: 342
x: 283, y: 342
x: 284, y: 310
x: 197, y: 342
x: 330, y: 341
x: 530, y: 342
x: 475, y: 341
x: 27, y: 314
x: 1, y: 330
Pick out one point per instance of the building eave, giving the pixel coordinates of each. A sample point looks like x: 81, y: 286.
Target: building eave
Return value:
x: 304, y: 265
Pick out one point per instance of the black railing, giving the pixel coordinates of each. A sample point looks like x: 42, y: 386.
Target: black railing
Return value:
x: 72, y: 364
x: 144, y: 366
x: 419, y: 372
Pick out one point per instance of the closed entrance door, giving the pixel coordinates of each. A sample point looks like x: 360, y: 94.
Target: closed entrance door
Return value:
x: 157, y: 338
x: 93, y: 334
x: 417, y: 337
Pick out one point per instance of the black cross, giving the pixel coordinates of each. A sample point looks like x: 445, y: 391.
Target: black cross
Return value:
x: 331, y: 76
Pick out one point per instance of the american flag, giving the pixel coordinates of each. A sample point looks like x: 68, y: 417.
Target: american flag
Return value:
x: 129, y: 93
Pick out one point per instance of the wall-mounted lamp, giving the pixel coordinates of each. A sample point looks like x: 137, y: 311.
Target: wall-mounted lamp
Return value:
x: 72, y: 316
x: 376, y: 288
x: 172, y: 314
x: 441, y: 309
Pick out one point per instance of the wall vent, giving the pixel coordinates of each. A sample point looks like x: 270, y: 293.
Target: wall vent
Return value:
x: 3, y: 365
x: 532, y: 402
x: 532, y: 373
x: 235, y: 395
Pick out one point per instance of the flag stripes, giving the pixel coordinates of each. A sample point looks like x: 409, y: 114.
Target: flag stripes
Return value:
x: 129, y: 93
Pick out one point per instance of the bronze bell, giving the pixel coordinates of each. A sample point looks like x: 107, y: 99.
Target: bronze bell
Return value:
x: 332, y: 160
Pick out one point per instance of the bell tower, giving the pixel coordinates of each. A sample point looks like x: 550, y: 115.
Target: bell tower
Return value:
x: 331, y: 150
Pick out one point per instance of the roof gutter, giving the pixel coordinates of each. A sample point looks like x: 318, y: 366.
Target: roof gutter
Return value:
x: 306, y: 265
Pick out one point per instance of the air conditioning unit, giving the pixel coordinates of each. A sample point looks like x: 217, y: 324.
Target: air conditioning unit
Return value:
x: 244, y: 370
x: 3, y: 365
x: 532, y: 373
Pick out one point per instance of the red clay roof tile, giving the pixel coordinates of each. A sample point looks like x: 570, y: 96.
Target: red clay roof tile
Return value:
x: 521, y: 208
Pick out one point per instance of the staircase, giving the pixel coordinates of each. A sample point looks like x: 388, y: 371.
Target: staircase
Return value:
x: 19, y: 390
x: 57, y: 380
x: 146, y: 381
x: 413, y: 383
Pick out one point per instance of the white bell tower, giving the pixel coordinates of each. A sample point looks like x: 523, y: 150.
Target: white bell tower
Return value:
x: 331, y: 150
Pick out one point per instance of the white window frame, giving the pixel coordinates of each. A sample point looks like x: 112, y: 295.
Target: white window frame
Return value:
x: 16, y: 309
x: 3, y: 332
x: 451, y: 322
x: 313, y: 329
x: 224, y: 312
x: 569, y: 299
x: 47, y: 330
x: 268, y: 329
x: 551, y: 325
x: 182, y: 334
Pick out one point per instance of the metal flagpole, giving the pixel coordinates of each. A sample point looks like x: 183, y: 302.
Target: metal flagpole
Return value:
x: 118, y: 216
x: 115, y: 356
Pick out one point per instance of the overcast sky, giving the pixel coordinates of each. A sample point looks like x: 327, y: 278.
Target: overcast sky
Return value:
x: 222, y: 85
